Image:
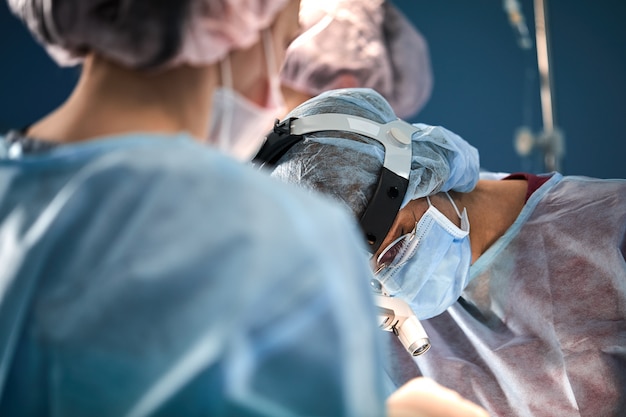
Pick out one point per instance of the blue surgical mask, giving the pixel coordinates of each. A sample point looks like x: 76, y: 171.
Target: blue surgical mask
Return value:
x: 430, y: 265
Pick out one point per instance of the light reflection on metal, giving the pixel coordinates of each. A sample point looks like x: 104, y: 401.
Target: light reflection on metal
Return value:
x: 551, y: 139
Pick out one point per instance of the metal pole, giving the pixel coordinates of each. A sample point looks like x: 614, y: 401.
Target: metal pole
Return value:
x: 551, y: 139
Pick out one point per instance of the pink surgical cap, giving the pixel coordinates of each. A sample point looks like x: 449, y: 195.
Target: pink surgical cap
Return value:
x: 368, y: 40
x: 146, y: 33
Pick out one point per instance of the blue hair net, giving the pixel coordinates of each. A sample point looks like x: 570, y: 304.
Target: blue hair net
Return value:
x: 348, y: 170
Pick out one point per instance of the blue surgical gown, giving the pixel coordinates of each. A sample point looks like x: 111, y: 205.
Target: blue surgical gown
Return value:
x: 541, y: 329
x: 170, y: 280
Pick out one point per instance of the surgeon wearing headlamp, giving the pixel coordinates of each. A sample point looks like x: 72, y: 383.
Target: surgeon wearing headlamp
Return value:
x: 144, y: 273
x: 380, y: 177
x: 395, y: 137
x: 521, y: 280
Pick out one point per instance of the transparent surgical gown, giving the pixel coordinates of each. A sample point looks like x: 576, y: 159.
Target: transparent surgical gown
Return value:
x: 541, y: 329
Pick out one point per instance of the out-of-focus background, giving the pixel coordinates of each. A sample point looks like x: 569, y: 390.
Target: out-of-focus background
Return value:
x: 486, y: 86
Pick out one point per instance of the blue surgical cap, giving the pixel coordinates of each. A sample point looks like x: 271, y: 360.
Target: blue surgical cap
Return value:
x: 346, y: 166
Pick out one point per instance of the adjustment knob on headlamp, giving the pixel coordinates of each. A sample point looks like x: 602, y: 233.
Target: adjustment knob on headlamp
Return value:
x: 400, y: 136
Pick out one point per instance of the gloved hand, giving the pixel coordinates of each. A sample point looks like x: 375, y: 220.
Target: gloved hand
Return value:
x: 423, y: 397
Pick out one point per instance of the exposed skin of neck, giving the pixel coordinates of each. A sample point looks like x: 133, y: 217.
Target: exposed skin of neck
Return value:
x: 110, y: 99
x: 293, y: 98
x: 492, y: 207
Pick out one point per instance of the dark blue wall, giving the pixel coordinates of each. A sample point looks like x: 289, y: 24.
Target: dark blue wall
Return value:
x: 485, y: 85
x: 31, y: 84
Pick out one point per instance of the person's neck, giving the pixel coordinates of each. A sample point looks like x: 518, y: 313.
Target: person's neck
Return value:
x: 110, y: 100
x: 492, y: 207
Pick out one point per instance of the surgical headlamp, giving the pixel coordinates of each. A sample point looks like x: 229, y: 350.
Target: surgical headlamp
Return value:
x: 394, y: 314
x: 395, y: 137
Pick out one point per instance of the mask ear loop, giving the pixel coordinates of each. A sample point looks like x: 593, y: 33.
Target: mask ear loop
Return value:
x: 464, y: 221
x: 227, y: 84
x: 268, y: 48
x: 274, y: 98
x: 458, y: 213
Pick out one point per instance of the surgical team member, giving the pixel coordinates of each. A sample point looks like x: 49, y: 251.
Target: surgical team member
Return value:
x: 143, y: 273
x: 523, y: 279
x: 358, y: 43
